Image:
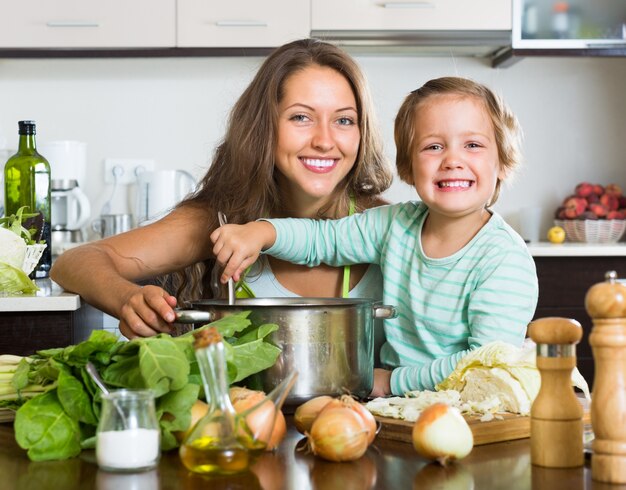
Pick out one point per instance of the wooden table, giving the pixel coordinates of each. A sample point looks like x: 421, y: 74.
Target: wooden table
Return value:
x: 387, y: 465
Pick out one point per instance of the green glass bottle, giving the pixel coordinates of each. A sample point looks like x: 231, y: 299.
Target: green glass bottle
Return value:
x: 27, y: 183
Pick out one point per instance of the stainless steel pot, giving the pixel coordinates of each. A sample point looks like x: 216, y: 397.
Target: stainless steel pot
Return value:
x: 330, y: 342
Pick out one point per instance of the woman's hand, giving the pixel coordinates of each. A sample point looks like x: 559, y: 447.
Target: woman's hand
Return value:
x: 236, y: 247
x: 147, y: 311
x: 382, y: 383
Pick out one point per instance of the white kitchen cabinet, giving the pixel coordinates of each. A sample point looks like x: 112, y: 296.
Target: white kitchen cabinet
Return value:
x: 242, y: 23
x: 87, y: 23
x: 407, y: 15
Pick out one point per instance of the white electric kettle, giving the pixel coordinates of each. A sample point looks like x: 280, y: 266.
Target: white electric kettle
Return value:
x: 159, y: 191
x: 70, y: 208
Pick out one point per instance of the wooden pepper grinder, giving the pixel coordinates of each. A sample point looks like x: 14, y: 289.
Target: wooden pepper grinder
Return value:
x: 556, y: 416
x: 606, y: 305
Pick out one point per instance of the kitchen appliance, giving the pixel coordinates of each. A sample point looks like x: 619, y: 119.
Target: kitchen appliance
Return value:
x: 159, y: 191
x: 70, y: 207
x: 329, y: 341
x: 112, y: 224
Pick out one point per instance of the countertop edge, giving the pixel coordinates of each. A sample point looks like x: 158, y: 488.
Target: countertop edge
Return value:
x: 50, y: 297
x: 546, y: 249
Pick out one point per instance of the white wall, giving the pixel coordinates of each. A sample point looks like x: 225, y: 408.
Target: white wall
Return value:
x: 173, y: 110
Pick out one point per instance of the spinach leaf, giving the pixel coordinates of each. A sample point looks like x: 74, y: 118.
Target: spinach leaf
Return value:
x: 75, y: 399
x: 177, y: 405
x: 163, y: 365
x: 44, y: 429
x: 251, y: 358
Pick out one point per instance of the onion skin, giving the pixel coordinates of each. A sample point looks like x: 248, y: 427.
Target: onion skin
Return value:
x: 306, y: 413
x: 262, y: 417
x: 338, y: 434
x: 441, y: 433
x: 369, y: 422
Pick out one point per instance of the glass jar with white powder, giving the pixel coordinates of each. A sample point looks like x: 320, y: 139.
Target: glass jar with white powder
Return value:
x: 128, y: 436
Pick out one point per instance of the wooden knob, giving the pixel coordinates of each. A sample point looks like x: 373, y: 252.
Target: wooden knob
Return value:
x: 555, y: 330
x: 607, y: 299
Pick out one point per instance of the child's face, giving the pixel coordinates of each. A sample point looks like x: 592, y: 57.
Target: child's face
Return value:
x: 455, y: 155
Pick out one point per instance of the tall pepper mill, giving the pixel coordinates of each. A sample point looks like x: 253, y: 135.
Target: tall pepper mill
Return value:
x: 556, y: 416
x: 606, y: 305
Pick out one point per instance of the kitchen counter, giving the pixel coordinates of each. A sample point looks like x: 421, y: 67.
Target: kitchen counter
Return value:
x: 49, y: 318
x: 546, y: 249
x: 386, y: 465
x: 50, y: 297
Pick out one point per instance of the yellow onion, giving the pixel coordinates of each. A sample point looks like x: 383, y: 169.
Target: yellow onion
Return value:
x: 198, y: 410
x: 306, y: 413
x: 369, y: 422
x: 441, y: 433
x: 338, y: 434
x: 261, y: 418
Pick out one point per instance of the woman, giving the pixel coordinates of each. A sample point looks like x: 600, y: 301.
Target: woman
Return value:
x: 301, y: 142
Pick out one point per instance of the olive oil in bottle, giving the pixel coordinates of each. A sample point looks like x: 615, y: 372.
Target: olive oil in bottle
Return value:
x: 221, y: 442
x: 27, y: 183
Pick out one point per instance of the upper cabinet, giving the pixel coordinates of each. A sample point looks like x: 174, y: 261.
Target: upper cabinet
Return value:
x: 572, y: 24
x: 428, y: 15
x: 242, y: 23
x: 87, y: 23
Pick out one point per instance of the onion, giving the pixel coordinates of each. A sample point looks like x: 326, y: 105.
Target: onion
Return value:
x: 369, y: 422
x: 306, y: 413
x: 441, y: 433
x: 338, y: 434
x: 198, y: 410
x: 262, y: 418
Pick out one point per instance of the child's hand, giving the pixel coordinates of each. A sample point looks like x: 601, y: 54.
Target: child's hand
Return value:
x: 237, y: 247
x: 382, y: 383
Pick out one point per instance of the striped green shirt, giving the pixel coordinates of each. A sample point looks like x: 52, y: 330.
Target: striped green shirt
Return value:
x: 447, y: 306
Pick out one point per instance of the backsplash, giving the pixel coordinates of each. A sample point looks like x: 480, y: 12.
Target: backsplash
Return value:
x: 173, y: 111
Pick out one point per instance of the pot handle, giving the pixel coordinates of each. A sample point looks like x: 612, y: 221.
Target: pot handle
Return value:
x: 193, y: 316
x: 385, y: 311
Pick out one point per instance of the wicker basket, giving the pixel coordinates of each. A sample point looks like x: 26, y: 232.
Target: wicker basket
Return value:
x: 31, y: 259
x: 593, y: 231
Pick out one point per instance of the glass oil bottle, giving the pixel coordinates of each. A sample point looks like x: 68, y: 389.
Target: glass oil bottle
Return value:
x: 221, y: 442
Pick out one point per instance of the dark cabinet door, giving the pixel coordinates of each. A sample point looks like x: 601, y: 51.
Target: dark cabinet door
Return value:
x: 563, y: 285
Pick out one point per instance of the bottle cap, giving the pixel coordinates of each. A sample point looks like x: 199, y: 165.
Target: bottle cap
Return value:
x: 26, y: 127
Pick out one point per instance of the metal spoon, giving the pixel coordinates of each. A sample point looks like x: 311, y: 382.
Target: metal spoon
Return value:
x: 93, y: 372
x: 221, y: 217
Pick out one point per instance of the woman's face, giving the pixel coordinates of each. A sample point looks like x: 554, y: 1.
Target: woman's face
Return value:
x: 318, y: 137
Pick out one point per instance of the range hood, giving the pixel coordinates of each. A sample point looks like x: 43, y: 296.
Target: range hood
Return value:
x: 479, y: 43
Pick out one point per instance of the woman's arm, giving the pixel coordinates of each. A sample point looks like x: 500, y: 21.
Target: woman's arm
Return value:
x: 105, y: 272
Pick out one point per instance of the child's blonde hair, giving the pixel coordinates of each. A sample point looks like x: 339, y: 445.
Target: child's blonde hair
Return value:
x: 506, y: 127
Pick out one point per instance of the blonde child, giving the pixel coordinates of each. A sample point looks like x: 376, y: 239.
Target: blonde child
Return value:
x: 458, y: 274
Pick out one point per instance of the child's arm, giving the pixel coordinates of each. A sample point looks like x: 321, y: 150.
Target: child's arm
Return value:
x: 497, y: 307
x: 238, y: 246
x: 355, y: 239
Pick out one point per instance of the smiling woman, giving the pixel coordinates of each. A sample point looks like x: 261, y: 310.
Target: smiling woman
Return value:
x: 301, y: 141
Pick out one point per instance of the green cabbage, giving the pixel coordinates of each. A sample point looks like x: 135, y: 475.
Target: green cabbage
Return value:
x: 15, y: 281
x: 498, y: 366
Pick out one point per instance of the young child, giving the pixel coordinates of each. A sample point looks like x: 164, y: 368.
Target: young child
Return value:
x: 459, y: 276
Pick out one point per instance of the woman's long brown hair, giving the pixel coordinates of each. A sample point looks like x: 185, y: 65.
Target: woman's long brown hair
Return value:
x: 241, y: 181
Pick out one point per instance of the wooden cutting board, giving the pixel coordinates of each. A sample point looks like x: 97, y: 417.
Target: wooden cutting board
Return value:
x: 511, y: 427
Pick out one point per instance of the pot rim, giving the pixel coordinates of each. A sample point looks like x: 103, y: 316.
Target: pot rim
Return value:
x: 291, y: 302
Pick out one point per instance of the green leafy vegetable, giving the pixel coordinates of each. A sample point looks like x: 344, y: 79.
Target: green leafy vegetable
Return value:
x: 59, y: 404
x: 14, y: 223
x: 15, y: 281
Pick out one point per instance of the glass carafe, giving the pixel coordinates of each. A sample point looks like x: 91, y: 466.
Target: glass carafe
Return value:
x: 221, y: 442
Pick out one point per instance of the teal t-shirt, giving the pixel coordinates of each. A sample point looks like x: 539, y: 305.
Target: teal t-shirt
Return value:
x: 446, y: 306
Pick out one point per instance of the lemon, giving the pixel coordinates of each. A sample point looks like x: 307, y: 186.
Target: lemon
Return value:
x: 556, y: 234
